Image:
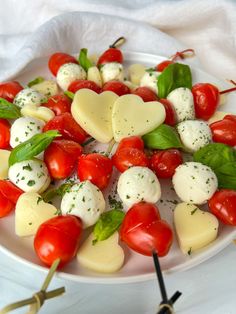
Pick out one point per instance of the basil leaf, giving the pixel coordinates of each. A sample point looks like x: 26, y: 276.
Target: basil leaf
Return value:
x: 37, y: 80
x: 174, y: 76
x: 84, y: 60
x: 226, y: 175
x: 114, y: 204
x: 8, y: 110
x: 69, y: 94
x: 107, y: 224
x: 60, y: 191
x: 162, y: 137
x: 32, y: 147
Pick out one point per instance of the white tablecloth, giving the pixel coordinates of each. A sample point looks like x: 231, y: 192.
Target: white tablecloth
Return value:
x: 207, y: 26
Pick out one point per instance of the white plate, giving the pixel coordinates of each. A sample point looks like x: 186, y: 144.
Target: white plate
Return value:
x: 137, y: 267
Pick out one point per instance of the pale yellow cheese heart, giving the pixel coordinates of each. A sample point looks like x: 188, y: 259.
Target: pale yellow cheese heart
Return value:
x: 105, y: 256
x: 218, y: 115
x: 94, y: 75
x: 93, y: 111
x: 195, y: 228
x: 31, y: 212
x: 42, y: 113
x: 47, y: 88
x: 136, y: 72
x: 4, y: 156
x: 132, y: 116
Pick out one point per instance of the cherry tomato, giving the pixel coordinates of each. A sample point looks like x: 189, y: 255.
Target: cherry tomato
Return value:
x: 110, y: 55
x: 231, y: 117
x: 223, y: 205
x: 8, y: 90
x: 170, y: 112
x: 67, y: 126
x: 125, y: 158
x: 162, y: 65
x: 206, y: 99
x: 58, y: 59
x: 131, y: 142
x: 143, y: 231
x: 145, y: 93
x: 58, y: 104
x: 96, y: 168
x: 9, y: 194
x: 164, y: 163
x: 79, y: 84
x: 61, y: 157
x: 116, y: 87
x: 224, y: 131
x: 4, y: 133
x: 6, y: 206
x: 58, y: 237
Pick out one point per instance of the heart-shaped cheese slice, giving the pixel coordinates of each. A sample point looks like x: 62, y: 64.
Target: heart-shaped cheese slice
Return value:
x: 105, y: 256
x: 195, y: 228
x: 132, y: 116
x: 42, y: 113
x: 31, y: 212
x: 93, y: 113
x: 47, y: 88
x: 4, y: 156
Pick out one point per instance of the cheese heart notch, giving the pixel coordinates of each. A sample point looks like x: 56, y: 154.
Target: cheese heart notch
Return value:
x: 195, y: 228
x: 105, y: 256
x: 93, y: 112
x: 31, y: 212
x: 132, y: 116
x: 38, y: 112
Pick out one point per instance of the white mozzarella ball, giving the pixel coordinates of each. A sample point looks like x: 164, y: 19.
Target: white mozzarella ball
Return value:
x: 28, y: 96
x: 30, y: 175
x: 149, y: 79
x: 138, y: 184
x: 68, y: 73
x: 112, y: 71
x: 194, y: 134
x: 23, y: 129
x: 194, y: 182
x: 85, y: 201
x: 182, y: 100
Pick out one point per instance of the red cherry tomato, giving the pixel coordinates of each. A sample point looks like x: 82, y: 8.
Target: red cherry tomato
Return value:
x: 110, y: 55
x: 67, y: 126
x: 58, y: 237
x: 116, y: 87
x: 223, y: 206
x: 9, y: 90
x: 170, y: 112
x: 145, y: 93
x: 58, y: 104
x: 162, y: 65
x: 224, y: 131
x: 58, y: 59
x: 231, y: 117
x: 143, y: 231
x: 96, y: 168
x: 4, y: 133
x: 206, y: 99
x: 164, y: 163
x: 79, y: 84
x: 61, y: 157
x: 131, y: 142
x: 125, y: 158
x: 6, y: 206
x: 9, y: 194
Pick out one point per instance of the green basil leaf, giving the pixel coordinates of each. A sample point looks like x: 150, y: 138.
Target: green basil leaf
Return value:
x: 174, y: 76
x: 163, y: 137
x: 69, y: 94
x: 60, y: 191
x: 32, y: 147
x: 84, y: 60
x: 114, y: 204
x: 107, y: 224
x: 226, y: 175
x: 8, y: 110
x: 37, y: 80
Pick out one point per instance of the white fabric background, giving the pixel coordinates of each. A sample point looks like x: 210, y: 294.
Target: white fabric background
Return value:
x: 207, y: 26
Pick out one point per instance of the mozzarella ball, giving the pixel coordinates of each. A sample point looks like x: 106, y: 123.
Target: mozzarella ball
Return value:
x: 149, y: 80
x: 30, y: 175
x: 85, y: 201
x: 28, y: 96
x: 112, y: 71
x: 68, y: 73
x: 23, y: 129
x: 194, y: 134
x: 138, y: 184
x: 194, y: 182
x: 182, y: 100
